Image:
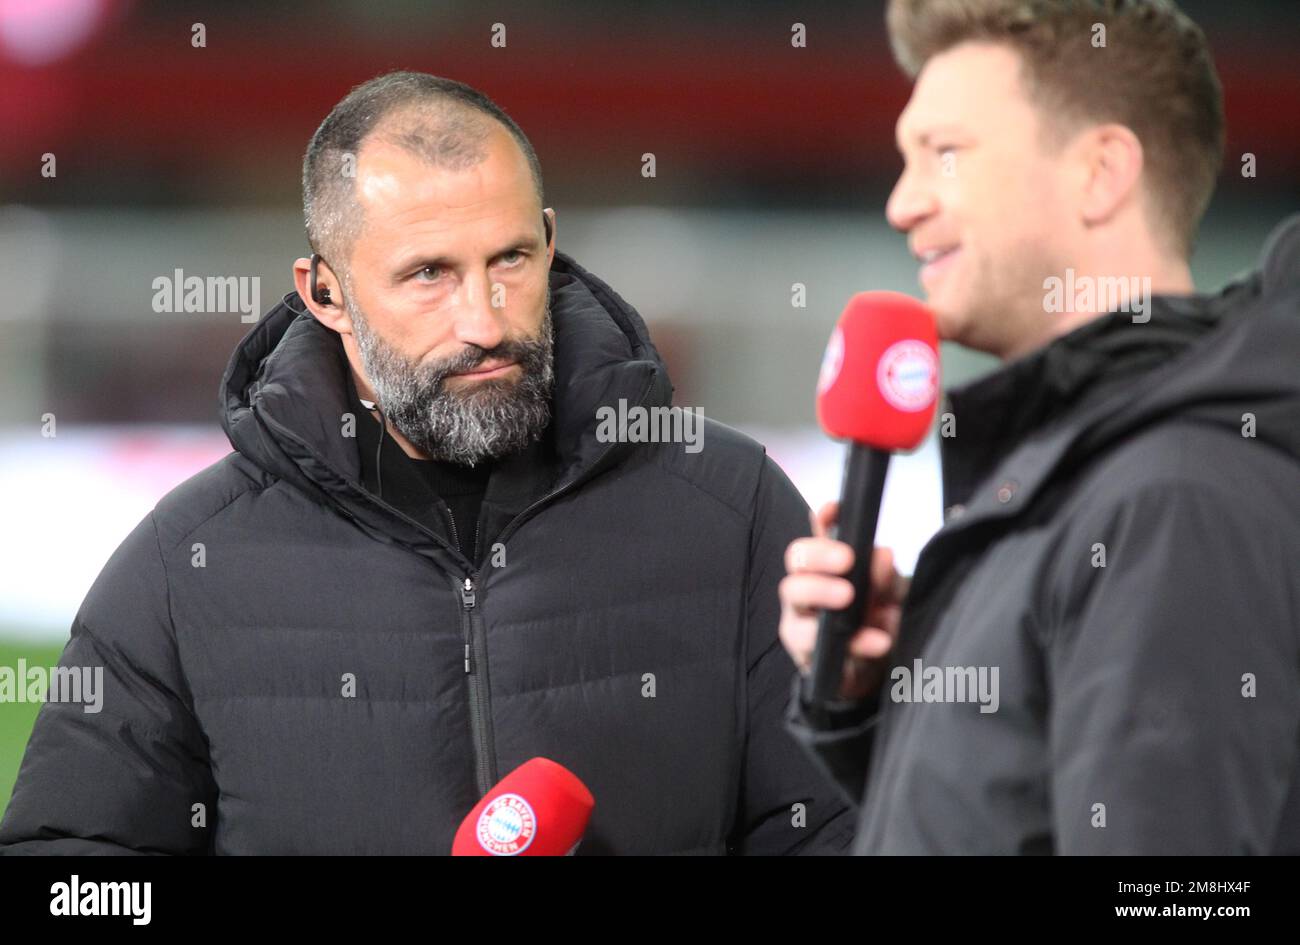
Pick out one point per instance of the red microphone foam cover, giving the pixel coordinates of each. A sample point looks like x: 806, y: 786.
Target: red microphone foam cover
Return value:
x: 879, y: 380
x: 539, y: 809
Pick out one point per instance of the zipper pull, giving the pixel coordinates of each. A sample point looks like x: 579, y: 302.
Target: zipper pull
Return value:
x: 467, y: 598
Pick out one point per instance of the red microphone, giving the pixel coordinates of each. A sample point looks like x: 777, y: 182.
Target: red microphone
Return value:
x: 539, y: 809
x: 878, y: 387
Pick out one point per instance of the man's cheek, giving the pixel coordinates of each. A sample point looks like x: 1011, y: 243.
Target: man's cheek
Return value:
x: 529, y: 326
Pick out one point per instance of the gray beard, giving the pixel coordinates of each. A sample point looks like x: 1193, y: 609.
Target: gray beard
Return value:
x: 494, y: 418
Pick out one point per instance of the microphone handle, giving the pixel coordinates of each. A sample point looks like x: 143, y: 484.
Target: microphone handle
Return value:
x: 864, y: 483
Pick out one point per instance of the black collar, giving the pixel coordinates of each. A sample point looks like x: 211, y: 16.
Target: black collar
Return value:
x: 510, y: 484
x: 998, y: 412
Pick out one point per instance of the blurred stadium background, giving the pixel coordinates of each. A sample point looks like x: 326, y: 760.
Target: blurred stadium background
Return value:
x: 773, y: 165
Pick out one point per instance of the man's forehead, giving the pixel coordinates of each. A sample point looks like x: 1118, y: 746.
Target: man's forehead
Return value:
x: 387, y: 173
x: 970, y: 85
x: 391, y: 177
x: 383, y: 174
x: 413, y: 210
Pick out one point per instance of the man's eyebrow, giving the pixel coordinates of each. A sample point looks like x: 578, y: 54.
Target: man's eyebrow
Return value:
x: 924, y: 136
x: 417, y: 261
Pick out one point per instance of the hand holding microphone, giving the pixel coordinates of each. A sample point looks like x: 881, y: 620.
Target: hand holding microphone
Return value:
x: 815, y: 582
x: 878, y: 387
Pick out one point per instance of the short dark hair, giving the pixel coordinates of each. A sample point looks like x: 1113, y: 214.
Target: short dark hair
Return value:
x: 443, y: 122
x: 1155, y: 75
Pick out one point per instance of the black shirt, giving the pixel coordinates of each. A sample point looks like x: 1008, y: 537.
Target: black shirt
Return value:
x: 461, y: 489
x: 443, y: 496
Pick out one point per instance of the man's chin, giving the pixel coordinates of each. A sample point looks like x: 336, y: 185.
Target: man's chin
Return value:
x: 951, y: 323
x: 477, y: 391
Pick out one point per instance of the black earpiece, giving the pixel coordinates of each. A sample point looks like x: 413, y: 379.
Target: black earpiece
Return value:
x: 321, y: 296
x: 546, y: 224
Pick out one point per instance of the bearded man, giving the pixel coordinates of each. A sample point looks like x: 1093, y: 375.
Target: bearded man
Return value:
x: 422, y: 566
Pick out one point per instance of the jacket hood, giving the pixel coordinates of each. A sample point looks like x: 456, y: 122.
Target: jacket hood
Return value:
x: 1208, y: 358
x: 1248, y: 364
x: 284, y: 394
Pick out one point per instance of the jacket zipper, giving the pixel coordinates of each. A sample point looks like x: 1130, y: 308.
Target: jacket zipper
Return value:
x: 475, y: 666
x: 451, y: 519
x: 484, y: 764
x: 485, y: 775
x: 475, y: 653
x: 475, y: 646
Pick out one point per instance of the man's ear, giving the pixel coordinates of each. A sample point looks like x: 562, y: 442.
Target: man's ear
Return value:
x: 549, y: 217
x: 1113, y: 162
x: 331, y: 316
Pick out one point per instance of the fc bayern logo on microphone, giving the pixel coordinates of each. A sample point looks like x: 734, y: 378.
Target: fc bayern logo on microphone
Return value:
x: 507, y: 826
x: 907, y: 375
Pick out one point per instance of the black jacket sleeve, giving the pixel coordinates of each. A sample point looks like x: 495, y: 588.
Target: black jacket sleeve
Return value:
x: 126, y: 776
x: 787, y: 806
x: 839, y: 740
x: 1173, y: 670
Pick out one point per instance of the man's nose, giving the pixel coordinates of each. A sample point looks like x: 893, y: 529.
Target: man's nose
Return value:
x: 478, y: 321
x: 911, y: 201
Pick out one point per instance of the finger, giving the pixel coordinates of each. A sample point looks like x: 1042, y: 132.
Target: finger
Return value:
x: 871, y: 644
x: 882, y: 572
x: 806, y: 594
x: 818, y: 554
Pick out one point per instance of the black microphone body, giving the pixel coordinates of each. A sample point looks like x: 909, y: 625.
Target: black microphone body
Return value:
x: 865, y: 468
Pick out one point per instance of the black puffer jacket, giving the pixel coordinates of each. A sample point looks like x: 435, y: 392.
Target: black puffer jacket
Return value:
x: 309, y: 685
x: 1123, y: 549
